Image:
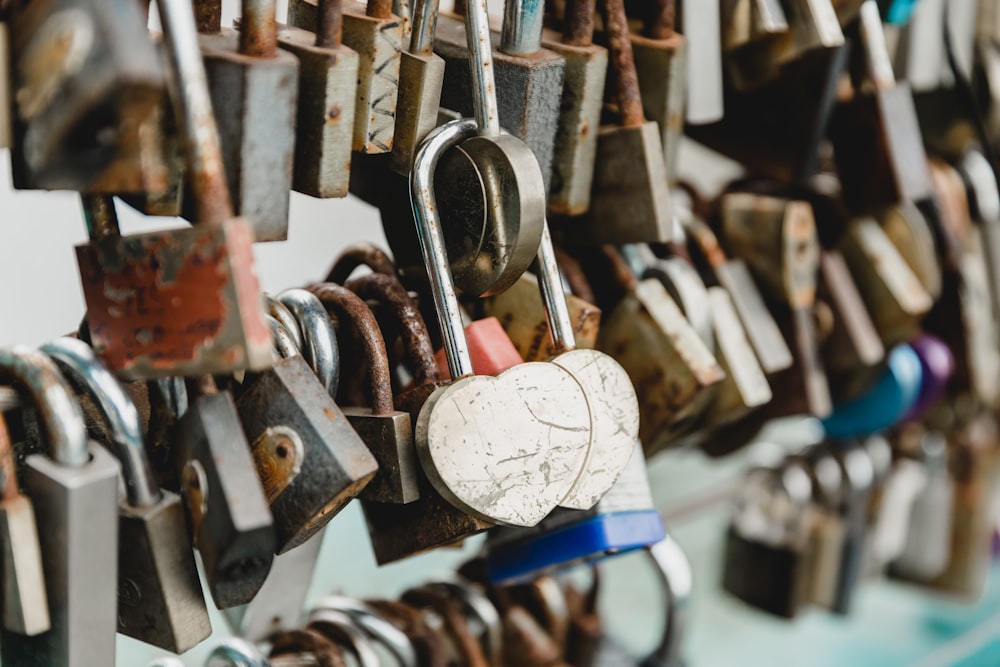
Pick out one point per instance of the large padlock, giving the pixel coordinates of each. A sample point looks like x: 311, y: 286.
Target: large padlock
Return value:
x: 254, y: 92
x: 153, y: 308
x: 159, y: 595
x: 75, y: 484
x: 228, y: 512
x: 376, y: 34
x: 85, y: 77
x: 324, y: 121
x: 310, y: 460
x: 387, y: 432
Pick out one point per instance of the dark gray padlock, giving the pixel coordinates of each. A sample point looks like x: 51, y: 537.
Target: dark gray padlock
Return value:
x: 254, y: 92
x: 159, y: 595
x: 229, y: 517
x: 310, y: 461
x: 75, y: 492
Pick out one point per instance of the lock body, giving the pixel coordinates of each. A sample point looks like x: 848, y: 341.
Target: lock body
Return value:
x: 421, y: 81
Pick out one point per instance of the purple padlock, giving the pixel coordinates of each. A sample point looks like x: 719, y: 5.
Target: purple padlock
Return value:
x: 937, y: 364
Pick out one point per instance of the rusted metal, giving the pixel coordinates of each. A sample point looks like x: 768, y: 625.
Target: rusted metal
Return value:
x: 329, y: 24
x: 575, y: 276
x: 308, y: 641
x: 456, y: 624
x: 258, y: 29
x: 626, y: 80
x: 208, y: 15
x: 379, y: 9
x: 360, y: 254
x: 427, y: 643
x: 8, y: 471
x: 662, y: 20
x: 100, y: 216
x: 578, y: 24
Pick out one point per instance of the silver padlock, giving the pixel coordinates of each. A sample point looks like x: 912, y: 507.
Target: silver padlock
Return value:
x: 75, y: 485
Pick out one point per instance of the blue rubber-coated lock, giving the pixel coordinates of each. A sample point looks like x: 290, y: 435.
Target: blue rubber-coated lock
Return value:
x: 885, y: 403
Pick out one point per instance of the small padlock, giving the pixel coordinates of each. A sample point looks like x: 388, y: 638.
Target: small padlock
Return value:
x: 630, y: 199
x: 701, y: 26
x: 74, y: 485
x: 159, y: 595
x: 580, y: 110
x: 254, y: 94
x: 228, y: 512
x: 310, y: 461
x: 386, y: 431
x: 153, y: 310
x: 324, y: 122
x: 376, y: 34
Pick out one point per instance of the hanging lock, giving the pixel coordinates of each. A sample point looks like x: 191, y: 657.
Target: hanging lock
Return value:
x: 517, y: 464
x: 185, y: 301
x: 310, y: 461
x: 746, y: 23
x: 84, y: 78
x: 159, y: 595
x: 387, y: 432
x: 324, y: 121
x: 575, y: 143
x: 376, y: 34
x: 74, y: 485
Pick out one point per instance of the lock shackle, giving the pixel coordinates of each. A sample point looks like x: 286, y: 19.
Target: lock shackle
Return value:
x: 578, y: 22
x: 477, y: 605
x: 208, y: 15
x: 373, y: 623
x: 284, y: 342
x: 236, y: 652
x: 342, y: 629
x: 484, y: 91
x: 101, y: 217
x: 8, y: 469
x: 258, y: 29
x: 431, y: 237
x: 621, y: 272
x: 521, y: 33
x: 284, y: 315
x: 677, y: 577
x: 623, y: 64
x: 424, y: 19
x: 413, y: 329
x: 554, y: 296
x: 706, y: 240
x: 350, y: 309
x: 982, y: 181
x: 360, y: 254
x: 827, y: 478
x: 35, y: 375
x: 319, y: 340
x: 308, y: 641
x: 661, y: 21
x: 81, y: 367
x: 193, y: 110
x: 874, y: 50
x: 379, y: 9
x: 329, y: 23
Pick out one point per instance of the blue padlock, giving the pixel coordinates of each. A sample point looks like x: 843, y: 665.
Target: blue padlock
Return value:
x: 624, y: 520
x: 885, y: 403
x: 897, y: 12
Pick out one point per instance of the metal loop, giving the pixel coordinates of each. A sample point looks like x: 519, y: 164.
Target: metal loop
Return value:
x: 377, y: 627
x: 319, y: 340
x: 234, y: 652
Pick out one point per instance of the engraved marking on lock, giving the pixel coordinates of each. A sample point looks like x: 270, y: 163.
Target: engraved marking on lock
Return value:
x: 129, y: 595
x: 57, y: 52
x: 383, y: 116
x: 194, y: 482
x: 279, y: 453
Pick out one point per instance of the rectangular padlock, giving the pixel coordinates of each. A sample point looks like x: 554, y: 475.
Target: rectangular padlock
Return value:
x: 324, y: 125
x: 575, y: 142
x: 700, y: 25
x: 376, y: 34
x: 254, y: 92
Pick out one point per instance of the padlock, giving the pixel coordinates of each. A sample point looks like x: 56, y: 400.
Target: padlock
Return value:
x: 701, y: 27
x: 661, y: 65
x: 386, y: 637
x: 893, y: 295
x: 490, y: 348
x: 937, y: 365
x: 360, y: 254
x: 983, y: 196
x: 876, y: 136
x: 745, y: 23
x: 324, y: 120
x: 760, y: 229
x: 310, y: 460
x: 376, y: 34
x: 630, y: 200
x: 236, y: 652
x: 74, y: 485
x: 623, y: 520
x: 767, y: 543
x: 303, y: 647
x: 683, y: 284
x: 25, y: 603
x: 910, y: 231
x: 649, y: 336
x: 153, y: 310
x: 858, y: 482
x: 529, y: 426
x: 529, y: 78
x: 386, y: 432
x: 254, y: 93
x: 580, y: 109
x: 84, y: 78
x: 228, y: 512
x: 828, y: 528
x: 159, y: 595
x: 421, y: 80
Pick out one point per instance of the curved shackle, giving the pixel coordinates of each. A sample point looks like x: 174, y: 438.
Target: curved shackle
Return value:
x: 475, y: 604
x: 34, y: 374
x: 284, y: 315
x: 319, y: 340
x: 352, y: 311
x: 678, y: 582
x: 424, y: 23
x: 413, y: 329
x: 81, y: 367
x: 373, y: 623
x: 484, y: 92
x: 360, y: 254
x: 236, y: 652
x: 342, y: 628
x: 553, y: 296
x: 284, y: 340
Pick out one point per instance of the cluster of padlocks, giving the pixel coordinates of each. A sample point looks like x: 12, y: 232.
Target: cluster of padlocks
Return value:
x: 589, y: 308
